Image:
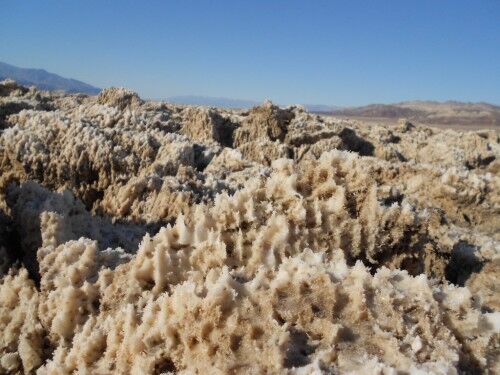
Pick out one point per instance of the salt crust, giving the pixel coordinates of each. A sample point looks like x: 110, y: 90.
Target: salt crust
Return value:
x: 280, y: 241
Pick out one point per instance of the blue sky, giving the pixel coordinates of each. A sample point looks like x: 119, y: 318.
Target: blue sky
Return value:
x: 328, y: 52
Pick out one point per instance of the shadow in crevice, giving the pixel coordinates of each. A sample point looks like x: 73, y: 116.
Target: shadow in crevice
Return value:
x: 66, y: 218
x: 299, y: 350
x: 463, y: 263
x: 9, y: 242
x: 165, y: 366
x: 354, y: 142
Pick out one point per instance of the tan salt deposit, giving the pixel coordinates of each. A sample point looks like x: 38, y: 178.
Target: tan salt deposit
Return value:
x: 149, y: 238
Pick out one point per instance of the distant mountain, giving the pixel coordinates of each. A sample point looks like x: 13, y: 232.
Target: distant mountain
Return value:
x: 212, y: 101
x: 429, y: 112
x: 321, y: 108
x: 45, y: 80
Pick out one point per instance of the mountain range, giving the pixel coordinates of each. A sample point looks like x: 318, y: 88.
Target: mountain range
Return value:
x: 212, y: 101
x: 425, y: 112
x: 236, y: 103
x: 45, y: 80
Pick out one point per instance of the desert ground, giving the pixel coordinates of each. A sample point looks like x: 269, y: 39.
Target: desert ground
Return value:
x: 394, y: 122
x: 443, y: 115
x: 141, y: 237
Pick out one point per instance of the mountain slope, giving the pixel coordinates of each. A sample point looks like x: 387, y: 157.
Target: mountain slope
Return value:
x: 45, y: 80
x: 430, y: 112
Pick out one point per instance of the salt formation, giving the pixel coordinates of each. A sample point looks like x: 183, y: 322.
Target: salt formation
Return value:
x: 143, y: 237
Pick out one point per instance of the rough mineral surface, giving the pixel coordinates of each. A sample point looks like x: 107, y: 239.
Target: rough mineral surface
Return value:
x: 148, y: 238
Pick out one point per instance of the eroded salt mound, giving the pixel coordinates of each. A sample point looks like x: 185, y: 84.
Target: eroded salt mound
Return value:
x: 143, y: 237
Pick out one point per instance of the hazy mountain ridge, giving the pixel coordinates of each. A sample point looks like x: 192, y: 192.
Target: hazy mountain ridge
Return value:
x: 45, y: 80
x: 212, y: 101
x: 431, y: 112
x: 221, y: 102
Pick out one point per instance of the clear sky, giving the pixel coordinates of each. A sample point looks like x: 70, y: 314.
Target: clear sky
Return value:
x: 313, y: 52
